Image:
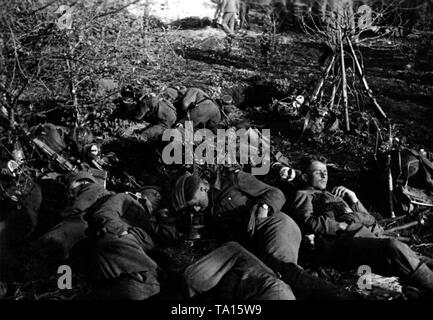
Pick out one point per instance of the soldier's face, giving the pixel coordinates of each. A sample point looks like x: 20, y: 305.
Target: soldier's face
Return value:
x: 318, y: 175
x: 200, y: 201
x: 76, y: 187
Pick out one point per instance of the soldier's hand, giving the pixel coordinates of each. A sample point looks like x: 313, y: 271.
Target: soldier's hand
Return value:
x: 344, y: 192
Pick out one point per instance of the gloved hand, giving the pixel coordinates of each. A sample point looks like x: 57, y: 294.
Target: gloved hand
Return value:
x: 357, y: 230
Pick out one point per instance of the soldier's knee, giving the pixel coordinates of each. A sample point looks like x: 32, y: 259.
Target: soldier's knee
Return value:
x: 278, y: 290
x: 52, y: 247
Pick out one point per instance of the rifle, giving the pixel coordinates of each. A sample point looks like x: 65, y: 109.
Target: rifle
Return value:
x: 99, y: 174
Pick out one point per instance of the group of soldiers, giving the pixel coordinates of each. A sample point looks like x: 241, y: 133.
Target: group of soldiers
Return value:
x: 260, y: 229
x: 232, y: 13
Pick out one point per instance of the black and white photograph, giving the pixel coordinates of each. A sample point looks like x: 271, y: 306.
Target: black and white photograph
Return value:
x: 211, y: 157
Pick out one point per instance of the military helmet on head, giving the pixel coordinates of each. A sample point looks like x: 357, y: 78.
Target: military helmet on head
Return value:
x: 184, y: 189
x: 80, y: 138
x: 153, y: 194
x: 129, y: 100
x: 171, y: 94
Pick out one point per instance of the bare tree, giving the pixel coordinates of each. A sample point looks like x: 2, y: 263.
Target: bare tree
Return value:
x: 60, y: 45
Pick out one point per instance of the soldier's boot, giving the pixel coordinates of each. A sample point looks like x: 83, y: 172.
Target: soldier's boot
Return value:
x: 309, y: 287
x: 428, y: 261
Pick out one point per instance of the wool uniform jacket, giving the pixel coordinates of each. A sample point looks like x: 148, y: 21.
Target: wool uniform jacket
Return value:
x: 320, y: 212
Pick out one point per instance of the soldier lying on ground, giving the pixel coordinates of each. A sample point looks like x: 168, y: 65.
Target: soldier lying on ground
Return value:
x: 248, y: 210
x: 244, y: 8
x: 116, y: 229
x: 77, y: 149
x: 347, y: 235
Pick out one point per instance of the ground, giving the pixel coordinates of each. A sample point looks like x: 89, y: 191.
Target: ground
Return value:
x: 400, y: 73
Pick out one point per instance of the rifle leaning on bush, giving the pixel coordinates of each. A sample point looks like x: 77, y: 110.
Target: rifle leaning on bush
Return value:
x: 99, y: 174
